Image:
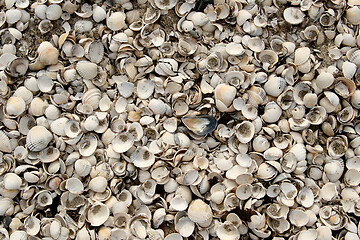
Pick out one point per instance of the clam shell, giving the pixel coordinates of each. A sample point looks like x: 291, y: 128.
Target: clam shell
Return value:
x: 116, y: 21
x: 123, y: 142
x: 293, y: 15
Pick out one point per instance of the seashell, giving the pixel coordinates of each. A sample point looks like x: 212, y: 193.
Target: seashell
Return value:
x: 99, y: 14
x: 32, y: 225
x: 355, y: 99
x: 95, y: 51
x: 116, y: 21
x: 86, y: 69
x: 87, y: 145
x: 305, y: 197
x: 352, y: 15
x: 293, y: 15
x: 200, y: 213
x: 187, y: 46
x: 333, y: 170
x: 123, y: 142
x: 38, y: 138
x: 245, y: 131
x: 324, y: 80
x: 12, y: 181
x: 15, y: 106
x: 98, y: 184
x: 53, y: 12
x: 82, y: 167
x: 272, y: 112
x: 49, y: 154
x: 234, y: 49
x: 13, y: 15
x: 74, y: 185
x: 224, y: 96
x: 98, y: 214
x: 256, y: 44
x: 298, y: 217
x: 352, y: 177
x: 18, y: 67
x: 328, y: 192
x: 345, y: 87
x: 268, y: 58
x: 166, y: 67
x: 83, y: 26
x: 145, y: 88
x: 200, y: 125
x: 274, y: 86
x: 142, y: 157
x: 227, y: 230
x: 301, y: 55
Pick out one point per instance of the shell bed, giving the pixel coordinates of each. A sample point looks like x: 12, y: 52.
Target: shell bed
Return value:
x: 179, y: 119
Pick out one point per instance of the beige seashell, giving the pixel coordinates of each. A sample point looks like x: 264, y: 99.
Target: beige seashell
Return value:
x: 116, y: 21
x: 198, y: 18
x: 234, y: 49
x: 324, y: 80
x: 87, y: 145
x: 38, y: 138
x: 49, y: 154
x: 74, y: 185
x: 355, y: 99
x: 298, y: 217
x: 301, y: 55
x: 82, y: 167
x: 228, y: 231
x: 352, y: 15
x: 224, y: 96
x: 272, y: 112
x: 15, y: 106
x: 274, y: 86
x: 199, y: 212
x: 142, y: 157
x: 86, y: 69
x: 49, y: 56
x: 98, y: 184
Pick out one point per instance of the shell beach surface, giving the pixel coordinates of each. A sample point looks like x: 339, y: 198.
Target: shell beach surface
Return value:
x: 179, y: 119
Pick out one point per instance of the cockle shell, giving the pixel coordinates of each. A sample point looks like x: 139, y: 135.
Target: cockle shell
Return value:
x: 86, y: 69
x: 116, y: 21
x: 200, y: 212
x: 38, y: 138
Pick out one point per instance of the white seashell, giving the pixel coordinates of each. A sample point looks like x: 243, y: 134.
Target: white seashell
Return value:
x: 273, y: 153
x: 49, y: 154
x: 293, y: 15
x: 298, y: 217
x: 324, y: 233
x: 352, y: 177
x: 324, y: 80
x: 123, y: 142
x: 145, y: 88
x: 74, y: 185
x: 165, y: 5
x: 116, y: 21
x: 199, y: 212
x: 274, y: 86
x: 272, y: 112
x: 328, y: 192
x: 228, y: 231
x: 98, y: 214
x: 355, y: 99
x: 234, y: 49
x: 87, y: 145
x: 32, y: 225
x: 243, y: 16
x: 82, y: 167
x: 83, y: 26
x: 99, y: 14
x: 53, y: 12
x: 38, y: 138
x: 198, y: 18
x: 142, y: 157
x: 333, y: 170
x: 91, y: 123
x: 86, y: 69
x: 15, y: 106
x: 349, y: 69
x: 12, y: 181
x: 245, y: 131
x: 173, y: 236
x: 305, y: 197
x: 13, y: 15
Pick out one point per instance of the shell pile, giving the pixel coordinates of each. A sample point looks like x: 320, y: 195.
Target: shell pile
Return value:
x: 179, y: 119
